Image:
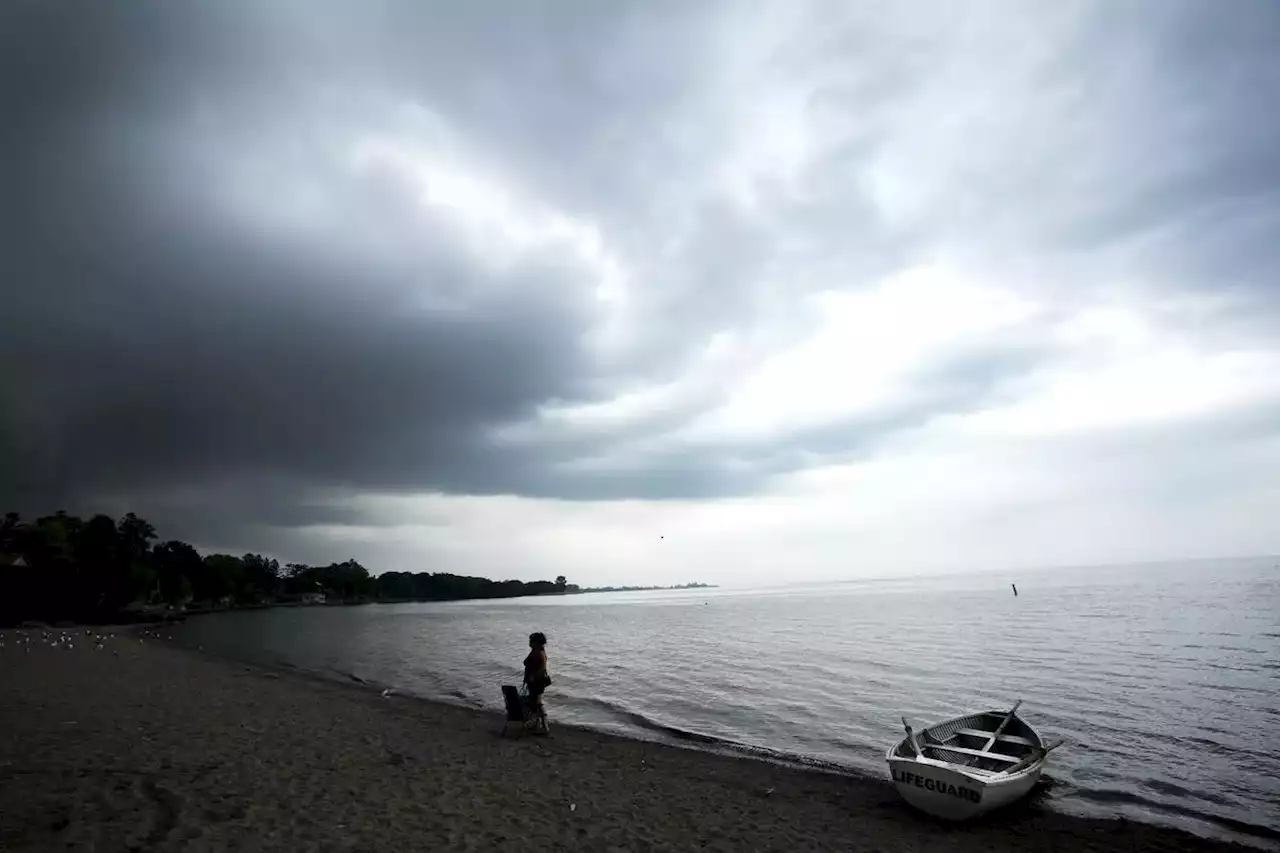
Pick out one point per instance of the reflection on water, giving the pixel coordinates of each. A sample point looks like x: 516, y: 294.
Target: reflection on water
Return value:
x: 1164, y: 680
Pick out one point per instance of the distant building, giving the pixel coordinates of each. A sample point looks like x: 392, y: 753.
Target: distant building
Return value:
x: 314, y: 598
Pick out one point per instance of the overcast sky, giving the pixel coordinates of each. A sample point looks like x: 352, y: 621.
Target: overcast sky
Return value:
x: 647, y: 292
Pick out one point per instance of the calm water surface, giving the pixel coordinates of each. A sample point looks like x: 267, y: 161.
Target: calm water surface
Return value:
x: 1163, y: 680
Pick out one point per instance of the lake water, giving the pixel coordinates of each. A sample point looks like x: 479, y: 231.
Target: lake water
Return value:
x: 1163, y: 680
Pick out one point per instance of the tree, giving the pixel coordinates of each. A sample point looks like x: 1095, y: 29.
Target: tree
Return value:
x: 261, y: 577
x: 177, y: 566
x: 134, y: 536
x: 11, y: 530
x: 96, y: 543
x: 223, y: 575
x: 52, y: 539
x: 561, y: 583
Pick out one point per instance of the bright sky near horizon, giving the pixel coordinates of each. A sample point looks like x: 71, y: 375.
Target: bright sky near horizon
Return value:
x: 811, y: 290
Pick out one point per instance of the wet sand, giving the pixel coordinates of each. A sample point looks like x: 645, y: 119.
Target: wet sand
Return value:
x: 141, y: 746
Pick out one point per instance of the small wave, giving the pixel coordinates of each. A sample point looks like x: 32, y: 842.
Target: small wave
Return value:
x: 1110, y: 796
x: 1172, y: 789
x: 1229, y: 667
x: 1232, y: 689
x: 640, y: 721
x: 1209, y: 745
x: 712, y: 742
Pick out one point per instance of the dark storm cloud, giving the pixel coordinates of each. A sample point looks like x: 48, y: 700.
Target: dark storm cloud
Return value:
x: 211, y: 314
x: 153, y: 337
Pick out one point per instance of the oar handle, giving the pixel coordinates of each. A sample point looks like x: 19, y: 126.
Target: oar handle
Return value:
x: 911, y: 736
x: 1009, y: 716
x: 991, y: 741
x: 1036, y: 755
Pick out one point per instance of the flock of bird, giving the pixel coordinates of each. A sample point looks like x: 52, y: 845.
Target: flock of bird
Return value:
x: 27, y: 639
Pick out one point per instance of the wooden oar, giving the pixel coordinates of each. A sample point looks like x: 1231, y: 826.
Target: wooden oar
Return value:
x: 1036, y: 755
x: 911, y: 736
x: 996, y: 734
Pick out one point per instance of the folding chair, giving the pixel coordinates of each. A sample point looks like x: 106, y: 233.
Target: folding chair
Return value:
x: 517, y: 709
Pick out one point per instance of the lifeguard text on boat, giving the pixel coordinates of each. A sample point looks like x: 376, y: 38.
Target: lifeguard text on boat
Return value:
x: 941, y: 787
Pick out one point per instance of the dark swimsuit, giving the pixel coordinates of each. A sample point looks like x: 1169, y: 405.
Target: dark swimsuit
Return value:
x: 535, y: 665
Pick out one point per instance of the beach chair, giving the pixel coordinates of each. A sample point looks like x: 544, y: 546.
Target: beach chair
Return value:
x: 517, y: 709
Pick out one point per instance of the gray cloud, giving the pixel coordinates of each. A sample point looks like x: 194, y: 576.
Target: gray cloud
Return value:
x: 210, y: 312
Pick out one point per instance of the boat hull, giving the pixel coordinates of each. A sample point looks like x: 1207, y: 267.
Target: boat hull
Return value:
x: 952, y: 795
x: 964, y: 771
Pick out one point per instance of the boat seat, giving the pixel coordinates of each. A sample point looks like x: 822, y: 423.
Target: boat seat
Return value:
x: 1022, y: 741
x: 977, y: 753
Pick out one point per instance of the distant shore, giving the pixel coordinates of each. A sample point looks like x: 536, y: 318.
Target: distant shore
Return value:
x: 162, y: 613
x: 130, y: 743
x: 63, y: 567
x: 646, y: 588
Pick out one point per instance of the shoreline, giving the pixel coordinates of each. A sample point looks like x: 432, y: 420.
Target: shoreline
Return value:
x: 203, y: 750
x: 1213, y: 828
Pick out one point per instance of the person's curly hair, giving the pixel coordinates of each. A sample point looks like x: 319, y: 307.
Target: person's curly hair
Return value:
x: 537, y: 638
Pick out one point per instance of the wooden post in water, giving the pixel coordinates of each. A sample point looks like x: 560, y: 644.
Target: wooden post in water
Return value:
x: 1015, y: 589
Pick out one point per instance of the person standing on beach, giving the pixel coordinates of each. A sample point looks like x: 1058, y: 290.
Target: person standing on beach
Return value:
x: 536, y: 678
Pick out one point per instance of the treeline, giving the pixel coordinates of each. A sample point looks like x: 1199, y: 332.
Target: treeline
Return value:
x: 406, y: 586
x: 62, y: 567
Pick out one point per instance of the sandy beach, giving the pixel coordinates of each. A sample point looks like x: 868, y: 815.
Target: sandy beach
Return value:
x: 142, y: 746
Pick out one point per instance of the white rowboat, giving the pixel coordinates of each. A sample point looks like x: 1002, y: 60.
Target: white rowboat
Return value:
x: 968, y: 766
